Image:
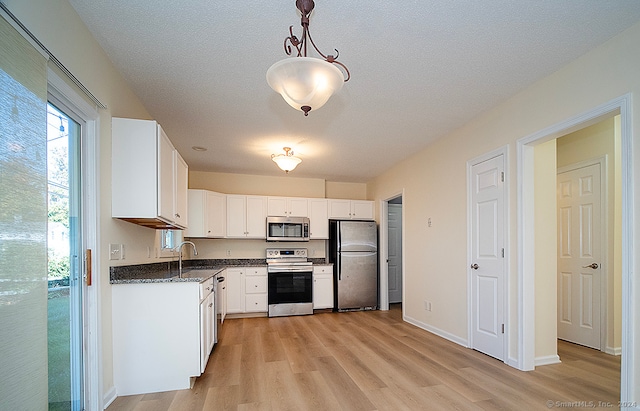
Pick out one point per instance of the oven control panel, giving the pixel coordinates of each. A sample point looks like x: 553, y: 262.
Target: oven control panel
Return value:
x: 284, y: 253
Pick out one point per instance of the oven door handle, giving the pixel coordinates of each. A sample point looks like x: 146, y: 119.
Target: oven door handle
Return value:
x: 289, y: 270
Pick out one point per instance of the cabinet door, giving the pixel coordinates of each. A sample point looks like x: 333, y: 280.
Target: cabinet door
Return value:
x: 318, y: 219
x: 134, y: 159
x: 256, y: 217
x: 196, y: 202
x: 221, y: 297
x: 339, y: 209
x: 322, y: 287
x: 165, y: 177
x: 216, y: 206
x: 235, y: 290
x: 362, y: 210
x: 206, y: 336
x: 298, y: 207
x: 277, y: 206
x: 181, y: 183
x: 236, y: 216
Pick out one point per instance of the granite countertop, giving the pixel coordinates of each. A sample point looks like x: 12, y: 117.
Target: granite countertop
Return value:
x: 192, y: 270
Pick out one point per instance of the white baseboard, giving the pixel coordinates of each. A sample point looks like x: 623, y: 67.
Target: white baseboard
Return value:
x: 437, y: 331
x: 109, y: 397
x: 549, y: 359
x: 613, y: 350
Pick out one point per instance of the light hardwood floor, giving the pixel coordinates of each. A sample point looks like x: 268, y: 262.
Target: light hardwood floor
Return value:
x: 374, y: 361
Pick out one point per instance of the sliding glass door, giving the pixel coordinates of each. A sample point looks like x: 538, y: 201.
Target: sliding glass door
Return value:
x: 65, y: 262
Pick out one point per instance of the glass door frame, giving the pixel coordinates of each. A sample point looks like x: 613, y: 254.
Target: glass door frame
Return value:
x: 66, y: 99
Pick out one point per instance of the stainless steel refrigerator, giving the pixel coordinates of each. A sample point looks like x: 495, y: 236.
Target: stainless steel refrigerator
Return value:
x: 353, y: 250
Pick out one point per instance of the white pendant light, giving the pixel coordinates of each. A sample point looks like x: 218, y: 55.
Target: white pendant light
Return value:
x: 306, y: 83
x: 286, y: 161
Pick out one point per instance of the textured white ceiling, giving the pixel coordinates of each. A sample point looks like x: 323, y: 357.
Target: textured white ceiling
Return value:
x: 420, y: 69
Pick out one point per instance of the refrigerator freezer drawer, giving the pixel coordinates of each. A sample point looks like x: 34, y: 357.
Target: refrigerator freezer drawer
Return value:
x: 357, y: 280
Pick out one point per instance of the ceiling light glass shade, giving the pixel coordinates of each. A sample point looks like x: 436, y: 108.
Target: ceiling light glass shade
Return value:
x: 286, y: 161
x: 305, y: 83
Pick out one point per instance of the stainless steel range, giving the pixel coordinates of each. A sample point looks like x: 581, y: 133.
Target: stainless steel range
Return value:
x: 290, y: 278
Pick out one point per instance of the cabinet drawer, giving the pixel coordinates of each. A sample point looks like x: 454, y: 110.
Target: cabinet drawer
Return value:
x: 206, y: 287
x: 255, y: 285
x: 256, y: 303
x: 256, y: 271
x: 322, y: 269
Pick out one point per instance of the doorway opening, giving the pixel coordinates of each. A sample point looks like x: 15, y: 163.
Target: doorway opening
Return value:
x: 391, y: 256
x: 527, y: 312
x: 394, y: 250
x: 589, y: 236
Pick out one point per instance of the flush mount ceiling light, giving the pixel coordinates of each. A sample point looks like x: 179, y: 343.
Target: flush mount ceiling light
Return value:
x: 306, y: 83
x: 286, y: 161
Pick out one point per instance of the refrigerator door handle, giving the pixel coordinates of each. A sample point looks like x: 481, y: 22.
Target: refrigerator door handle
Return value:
x: 338, y: 268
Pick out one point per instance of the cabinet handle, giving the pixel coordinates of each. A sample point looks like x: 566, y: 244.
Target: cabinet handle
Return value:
x: 210, y: 304
x: 177, y: 215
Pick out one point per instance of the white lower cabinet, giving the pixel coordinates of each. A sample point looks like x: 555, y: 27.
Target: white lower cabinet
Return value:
x: 221, y: 296
x: 207, y: 322
x: 246, y: 290
x: 156, y: 336
x: 256, y: 290
x: 235, y: 290
x: 322, y: 286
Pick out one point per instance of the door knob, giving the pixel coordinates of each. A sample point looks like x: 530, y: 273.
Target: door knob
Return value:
x: 592, y: 265
x: 475, y: 266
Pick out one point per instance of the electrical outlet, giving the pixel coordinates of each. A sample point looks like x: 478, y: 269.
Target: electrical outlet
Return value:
x: 115, y: 251
x: 228, y: 253
x: 427, y: 305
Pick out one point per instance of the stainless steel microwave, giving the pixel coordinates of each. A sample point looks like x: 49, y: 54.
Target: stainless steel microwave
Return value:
x: 287, y: 229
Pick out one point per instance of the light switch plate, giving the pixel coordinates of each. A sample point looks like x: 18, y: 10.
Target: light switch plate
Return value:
x: 115, y: 251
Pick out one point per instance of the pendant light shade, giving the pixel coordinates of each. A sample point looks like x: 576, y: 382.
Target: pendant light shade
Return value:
x: 286, y: 161
x: 305, y: 83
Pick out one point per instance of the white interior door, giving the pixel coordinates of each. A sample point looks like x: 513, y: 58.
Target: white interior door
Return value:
x: 395, y: 253
x: 579, y: 255
x: 487, y: 257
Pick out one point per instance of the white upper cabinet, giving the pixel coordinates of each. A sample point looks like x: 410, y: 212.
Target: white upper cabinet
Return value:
x: 318, y: 219
x: 246, y: 216
x: 181, y: 184
x: 287, y: 207
x: 350, y: 209
x: 149, y: 177
x: 207, y: 214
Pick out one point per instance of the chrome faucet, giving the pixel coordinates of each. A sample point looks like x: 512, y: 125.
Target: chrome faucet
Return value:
x: 178, y: 249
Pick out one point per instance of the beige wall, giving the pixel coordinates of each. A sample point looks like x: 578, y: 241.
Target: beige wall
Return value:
x: 596, y: 141
x: 288, y: 186
x: 434, y: 183
x: 239, y: 248
x: 545, y: 246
